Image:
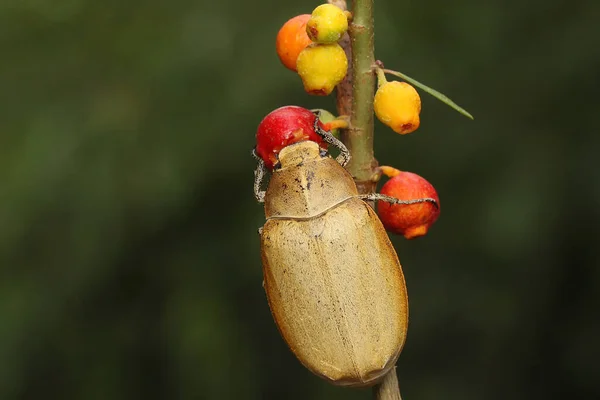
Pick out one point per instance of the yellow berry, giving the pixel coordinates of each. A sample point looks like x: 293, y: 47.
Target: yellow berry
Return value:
x: 327, y: 24
x: 322, y: 67
x: 397, y: 104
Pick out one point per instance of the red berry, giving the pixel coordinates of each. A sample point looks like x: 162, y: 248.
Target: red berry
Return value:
x: 409, y: 220
x: 282, y: 127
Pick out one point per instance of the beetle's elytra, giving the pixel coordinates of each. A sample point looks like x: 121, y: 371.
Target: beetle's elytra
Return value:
x: 332, y: 277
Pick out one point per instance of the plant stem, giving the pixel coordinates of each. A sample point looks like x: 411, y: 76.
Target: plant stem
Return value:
x: 355, y: 98
x: 359, y: 138
x: 388, y: 388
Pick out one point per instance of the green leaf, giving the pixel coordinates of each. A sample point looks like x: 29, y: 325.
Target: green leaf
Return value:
x: 442, y: 97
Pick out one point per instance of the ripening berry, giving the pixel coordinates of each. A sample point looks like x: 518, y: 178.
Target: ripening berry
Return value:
x: 325, y: 116
x: 282, y: 127
x: 291, y: 40
x: 409, y: 220
x: 322, y: 67
x: 327, y: 24
x: 397, y: 104
x: 331, y: 123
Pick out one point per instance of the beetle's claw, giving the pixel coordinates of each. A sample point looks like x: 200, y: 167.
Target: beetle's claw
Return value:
x: 255, y: 154
x: 344, y: 157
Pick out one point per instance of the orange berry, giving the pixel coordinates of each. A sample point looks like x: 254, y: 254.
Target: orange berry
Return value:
x: 322, y: 67
x: 397, y: 104
x: 291, y: 40
x: 409, y: 220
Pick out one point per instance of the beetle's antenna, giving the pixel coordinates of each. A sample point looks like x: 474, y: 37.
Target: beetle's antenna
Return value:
x: 393, y: 200
x: 344, y: 157
x: 259, y: 174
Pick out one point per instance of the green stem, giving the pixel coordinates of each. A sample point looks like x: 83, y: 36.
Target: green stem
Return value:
x: 359, y: 138
x: 380, y: 77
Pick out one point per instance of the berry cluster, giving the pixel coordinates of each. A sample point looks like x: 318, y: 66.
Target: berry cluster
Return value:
x: 308, y: 44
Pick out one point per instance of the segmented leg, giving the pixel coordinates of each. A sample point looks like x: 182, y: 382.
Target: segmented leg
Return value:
x: 259, y: 174
x: 344, y: 157
x: 393, y: 200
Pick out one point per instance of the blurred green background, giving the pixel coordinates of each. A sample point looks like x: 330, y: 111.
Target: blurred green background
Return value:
x: 129, y: 252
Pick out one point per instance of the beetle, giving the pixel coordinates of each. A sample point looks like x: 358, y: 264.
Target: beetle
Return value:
x: 332, y: 278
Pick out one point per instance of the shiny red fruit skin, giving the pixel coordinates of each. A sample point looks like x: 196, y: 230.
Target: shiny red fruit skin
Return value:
x: 411, y: 220
x: 282, y: 127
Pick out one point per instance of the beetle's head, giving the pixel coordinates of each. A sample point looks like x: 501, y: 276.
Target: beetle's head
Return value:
x: 298, y: 153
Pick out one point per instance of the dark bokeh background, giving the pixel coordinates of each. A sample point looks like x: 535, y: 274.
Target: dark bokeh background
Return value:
x: 129, y: 256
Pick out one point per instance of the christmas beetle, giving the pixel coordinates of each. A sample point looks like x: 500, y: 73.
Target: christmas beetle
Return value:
x: 333, y: 281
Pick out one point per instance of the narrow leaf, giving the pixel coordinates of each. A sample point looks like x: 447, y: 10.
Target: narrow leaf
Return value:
x: 443, y: 98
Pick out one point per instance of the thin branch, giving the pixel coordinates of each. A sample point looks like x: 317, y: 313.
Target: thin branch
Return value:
x: 388, y: 388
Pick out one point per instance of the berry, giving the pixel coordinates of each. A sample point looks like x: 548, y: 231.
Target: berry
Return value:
x: 291, y: 40
x: 282, y: 127
x: 327, y: 24
x: 409, y: 220
x: 322, y: 67
x: 397, y: 104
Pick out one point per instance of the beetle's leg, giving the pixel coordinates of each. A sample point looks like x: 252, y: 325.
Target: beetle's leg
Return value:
x: 344, y: 157
x: 393, y: 200
x: 259, y: 174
